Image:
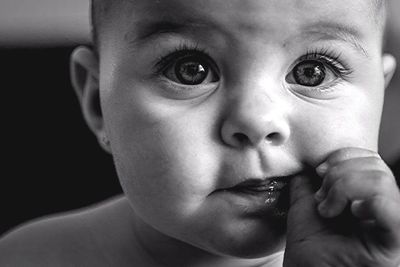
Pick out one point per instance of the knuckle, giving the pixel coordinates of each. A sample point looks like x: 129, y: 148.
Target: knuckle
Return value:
x: 353, y: 178
x: 381, y: 178
x: 349, y: 153
x: 332, y: 174
x: 378, y: 163
x: 339, y: 175
x: 377, y: 202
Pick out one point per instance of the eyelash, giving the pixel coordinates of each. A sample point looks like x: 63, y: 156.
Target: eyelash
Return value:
x: 182, y: 50
x: 331, y: 58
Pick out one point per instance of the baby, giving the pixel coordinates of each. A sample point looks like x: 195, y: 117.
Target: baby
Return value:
x: 244, y: 133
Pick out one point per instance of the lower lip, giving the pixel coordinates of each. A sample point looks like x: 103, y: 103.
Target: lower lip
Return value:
x: 259, y: 203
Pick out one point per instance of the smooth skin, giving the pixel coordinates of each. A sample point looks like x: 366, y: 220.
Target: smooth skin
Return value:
x: 176, y: 146
x: 352, y: 220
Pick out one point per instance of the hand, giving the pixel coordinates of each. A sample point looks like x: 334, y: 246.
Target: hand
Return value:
x: 353, y: 220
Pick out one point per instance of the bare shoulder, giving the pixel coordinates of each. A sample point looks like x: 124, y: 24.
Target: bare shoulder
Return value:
x: 78, y: 238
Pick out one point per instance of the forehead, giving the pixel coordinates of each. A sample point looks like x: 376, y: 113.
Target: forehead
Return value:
x: 227, y: 5
x: 256, y: 9
x: 253, y: 15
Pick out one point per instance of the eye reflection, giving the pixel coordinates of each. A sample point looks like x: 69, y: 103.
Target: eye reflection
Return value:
x: 309, y: 73
x: 190, y: 70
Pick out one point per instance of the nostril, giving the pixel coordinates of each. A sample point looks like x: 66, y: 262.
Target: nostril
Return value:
x: 273, y: 137
x: 241, y: 138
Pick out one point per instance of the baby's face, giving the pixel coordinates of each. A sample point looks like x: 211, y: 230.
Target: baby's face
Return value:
x: 209, y: 103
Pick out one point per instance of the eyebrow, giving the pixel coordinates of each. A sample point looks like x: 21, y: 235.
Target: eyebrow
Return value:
x: 147, y: 29
x: 327, y: 31
x: 377, y: 5
x: 322, y: 31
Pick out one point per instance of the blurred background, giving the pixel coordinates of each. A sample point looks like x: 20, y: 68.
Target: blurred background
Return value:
x: 51, y: 162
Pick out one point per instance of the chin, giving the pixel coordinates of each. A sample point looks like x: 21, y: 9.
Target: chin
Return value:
x: 254, y: 250
x: 250, y: 243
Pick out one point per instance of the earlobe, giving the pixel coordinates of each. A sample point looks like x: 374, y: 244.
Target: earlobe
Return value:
x: 389, y: 68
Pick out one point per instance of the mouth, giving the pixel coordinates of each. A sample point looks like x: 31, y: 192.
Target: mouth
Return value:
x: 262, y: 196
x: 257, y: 186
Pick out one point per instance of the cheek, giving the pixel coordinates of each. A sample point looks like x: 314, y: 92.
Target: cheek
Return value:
x: 351, y: 122
x: 165, y: 157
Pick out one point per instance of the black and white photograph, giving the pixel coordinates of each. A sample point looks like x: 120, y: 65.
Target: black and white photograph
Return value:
x: 204, y: 133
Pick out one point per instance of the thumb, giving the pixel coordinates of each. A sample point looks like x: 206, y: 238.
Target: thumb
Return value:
x: 303, y: 218
x: 301, y: 189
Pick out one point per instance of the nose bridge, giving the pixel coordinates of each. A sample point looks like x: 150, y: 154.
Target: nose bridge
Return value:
x: 258, y: 109
x: 257, y: 113
x: 256, y: 97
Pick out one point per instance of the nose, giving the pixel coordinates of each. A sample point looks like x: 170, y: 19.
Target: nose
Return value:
x: 252, y: 120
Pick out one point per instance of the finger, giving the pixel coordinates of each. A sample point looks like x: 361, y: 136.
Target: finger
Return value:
x: 343, y: 169
x: 342, y: 155
x: 378, y: 209
x: 385, y: 214
x: 355, y: 186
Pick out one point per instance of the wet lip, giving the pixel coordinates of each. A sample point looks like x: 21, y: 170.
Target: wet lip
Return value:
x: 255, y: 185
x: 260, y: 197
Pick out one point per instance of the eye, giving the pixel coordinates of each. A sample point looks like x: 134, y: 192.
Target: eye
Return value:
x: 191, y: 70
x: 320, y: 70
x: 310, y: 73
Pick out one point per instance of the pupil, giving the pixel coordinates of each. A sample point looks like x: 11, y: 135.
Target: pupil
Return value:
x: 309, y: 73
x: 191, y: 72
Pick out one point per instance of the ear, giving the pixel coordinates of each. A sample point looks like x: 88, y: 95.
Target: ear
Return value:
x: 84, y: 68
x: 389, y: 68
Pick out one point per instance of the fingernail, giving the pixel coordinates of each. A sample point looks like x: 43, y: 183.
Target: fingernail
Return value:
x: 321, y: 169
x: 320, y: 195
x: 355, y: 207
x: 323, y: 210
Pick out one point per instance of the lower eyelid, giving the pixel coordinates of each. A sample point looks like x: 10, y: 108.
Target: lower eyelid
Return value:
x: 323, y: 92
x: 172, y: 88
x: 330, y: 86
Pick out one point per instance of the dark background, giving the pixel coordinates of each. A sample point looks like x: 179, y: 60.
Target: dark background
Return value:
x: 51, y: 162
